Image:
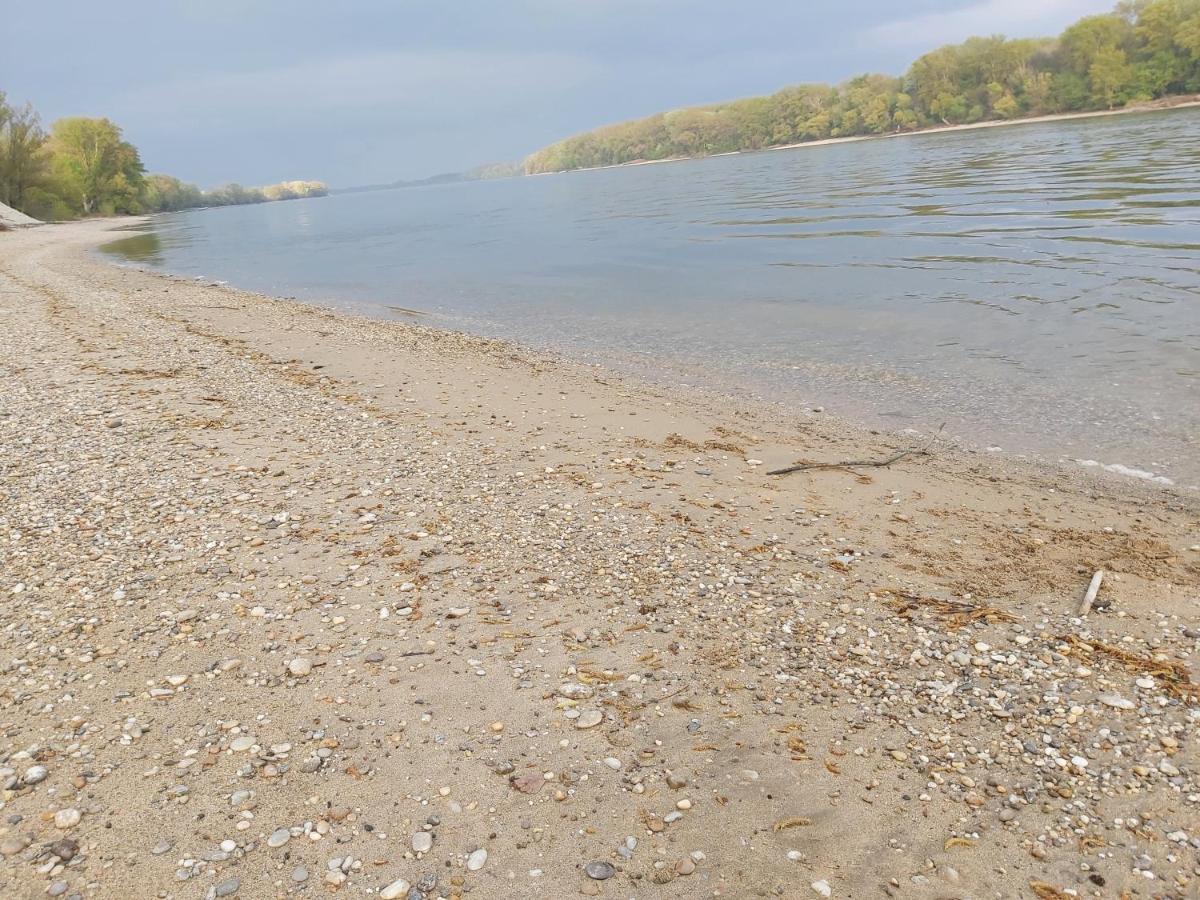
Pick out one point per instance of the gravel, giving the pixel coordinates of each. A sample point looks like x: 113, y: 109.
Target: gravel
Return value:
x: 330, y: 586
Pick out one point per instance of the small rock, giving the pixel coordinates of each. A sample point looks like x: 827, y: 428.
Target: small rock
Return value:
x: 589, y: 718
x: 279, y: 837
x: 65, y: 849
x: 822, y: 887
x: 477, y: 860
x: 66, y: 818
x: 300, y: 667
x: 529, y: 782
x: 422, y: 842
x: 35, y: 774
x: 11, y: 846
x: 599, y: 871
x: 573, y: 690
x: 228, y: 887
x: 395, y: 890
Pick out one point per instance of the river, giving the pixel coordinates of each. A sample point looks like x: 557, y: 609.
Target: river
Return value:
x: 1036, y: 288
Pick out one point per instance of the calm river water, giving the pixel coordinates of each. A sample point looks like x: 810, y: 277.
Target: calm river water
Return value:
x: 1037, y: 287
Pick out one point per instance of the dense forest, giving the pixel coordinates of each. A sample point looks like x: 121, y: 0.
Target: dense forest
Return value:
x: 1144, y: 50
x: 83, y: 167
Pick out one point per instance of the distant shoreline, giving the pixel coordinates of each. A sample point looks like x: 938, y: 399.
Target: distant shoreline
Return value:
x: 1184, y: 101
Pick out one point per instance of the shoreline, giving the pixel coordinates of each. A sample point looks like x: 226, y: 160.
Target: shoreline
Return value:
x: 1192, y: 101
x: 1056, y: 463
x: 440, y: 607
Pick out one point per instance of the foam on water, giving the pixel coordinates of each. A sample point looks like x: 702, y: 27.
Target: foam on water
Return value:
x: 1128, y: 471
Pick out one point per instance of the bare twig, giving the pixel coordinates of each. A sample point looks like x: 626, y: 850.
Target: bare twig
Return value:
x: 865, y: 463
x: 650, y: 700
x: 1090, y: 596
x: 869, y: 463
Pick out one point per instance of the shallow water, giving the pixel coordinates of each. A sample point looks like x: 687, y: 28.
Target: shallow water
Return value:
x: 1036, y: 288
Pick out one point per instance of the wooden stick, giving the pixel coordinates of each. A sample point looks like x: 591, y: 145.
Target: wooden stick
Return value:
x: 869, y: 463
x: 1089, y: 596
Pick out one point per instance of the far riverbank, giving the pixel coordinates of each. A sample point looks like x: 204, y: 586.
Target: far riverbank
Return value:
x: 1164, y: 104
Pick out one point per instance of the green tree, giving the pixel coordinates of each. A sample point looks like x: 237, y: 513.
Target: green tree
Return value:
x: 1109, y: 75
x: 164, y: 193
x: 23, y: 162
x: 97, y: 170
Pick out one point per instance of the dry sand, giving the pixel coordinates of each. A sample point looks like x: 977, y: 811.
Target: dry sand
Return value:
x: 11, y: 218
x: 289, y: 593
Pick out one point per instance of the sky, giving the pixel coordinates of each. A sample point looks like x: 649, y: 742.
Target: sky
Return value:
x: 367, y: 91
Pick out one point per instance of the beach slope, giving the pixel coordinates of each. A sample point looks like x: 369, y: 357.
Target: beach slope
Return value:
x: 296, y: 601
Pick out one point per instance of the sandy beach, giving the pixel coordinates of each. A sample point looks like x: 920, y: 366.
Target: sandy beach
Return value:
x: 297, y: 603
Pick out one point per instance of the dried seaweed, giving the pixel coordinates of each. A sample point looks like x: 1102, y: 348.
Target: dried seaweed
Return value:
x: 792, y: 822
x: 1044, y: 890
x: 956, y: 613
x: 1175, y: 676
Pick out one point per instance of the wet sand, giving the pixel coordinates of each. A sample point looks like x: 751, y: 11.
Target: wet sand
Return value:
x: 298, y: 602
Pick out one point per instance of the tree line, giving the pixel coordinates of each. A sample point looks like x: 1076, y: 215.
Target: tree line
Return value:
x: 84, y: 166
x: 1144, y: 50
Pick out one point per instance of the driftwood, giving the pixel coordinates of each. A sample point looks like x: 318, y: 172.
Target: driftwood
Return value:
x: 1090, y: 596
x: 864, y: 463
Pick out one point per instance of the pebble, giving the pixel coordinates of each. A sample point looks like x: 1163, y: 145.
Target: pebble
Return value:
x: 13, y: 845
x: 35, y: 774
x: 477, y: 860
x: 228, y: 887
x: 299, y: 874
x: 300, y: 667
x: 822, y: 887
x: 65, y: 849
x: 599, y: 871
x: 574, y: 690
x: 67, y: 818
x: 422, y: 842
x: 279, y: 837
x: 589, y: 718
x: 395, y: 890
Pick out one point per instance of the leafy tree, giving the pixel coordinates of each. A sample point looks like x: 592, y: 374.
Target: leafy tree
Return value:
x: 23, y: 163
x: 96, y: 169
x: 1109, y: 74
x: 164, y: 193
x: 1144, y: 50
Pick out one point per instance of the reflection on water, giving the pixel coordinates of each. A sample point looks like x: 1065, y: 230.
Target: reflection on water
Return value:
x: 143, y: 248
x: 1037, y: 287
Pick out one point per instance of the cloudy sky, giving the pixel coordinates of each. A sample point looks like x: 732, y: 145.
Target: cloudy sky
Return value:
x: 362, y: 91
